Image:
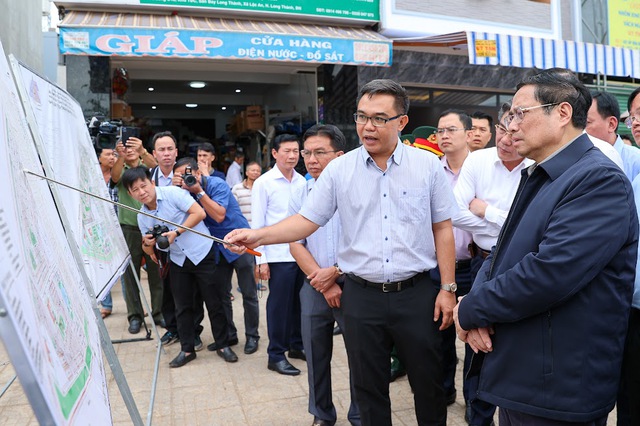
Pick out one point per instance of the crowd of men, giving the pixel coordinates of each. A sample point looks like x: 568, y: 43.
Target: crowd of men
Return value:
x: 526, y: 251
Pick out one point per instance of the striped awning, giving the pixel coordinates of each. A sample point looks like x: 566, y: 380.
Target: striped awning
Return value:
x: 169, y: 35
x: 530, y: 52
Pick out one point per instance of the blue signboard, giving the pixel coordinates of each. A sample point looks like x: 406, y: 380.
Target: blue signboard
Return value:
x: 180, y: 43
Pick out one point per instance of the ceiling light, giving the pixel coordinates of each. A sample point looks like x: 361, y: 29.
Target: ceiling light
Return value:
x: 153, y: 107
x: 197, y: 84
x: 151, y: 89
x: 238, y: 90
x: 191, y: 105
x: 224, y: 108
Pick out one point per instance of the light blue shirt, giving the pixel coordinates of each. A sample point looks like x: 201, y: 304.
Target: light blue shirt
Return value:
x: 636, y: 286
x: 630, y: 158
x: 322, y: 244
x: 386, y: 216
x: 173, y: 204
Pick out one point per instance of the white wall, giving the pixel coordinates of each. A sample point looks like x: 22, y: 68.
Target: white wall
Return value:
x: 21, y: 30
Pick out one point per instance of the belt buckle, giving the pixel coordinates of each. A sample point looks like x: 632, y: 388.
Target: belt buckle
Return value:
x: 386, y: 287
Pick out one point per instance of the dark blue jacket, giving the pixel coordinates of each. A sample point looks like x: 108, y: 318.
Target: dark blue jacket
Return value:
x: 557, y: 289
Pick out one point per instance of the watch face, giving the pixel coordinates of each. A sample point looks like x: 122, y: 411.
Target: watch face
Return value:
x: 454, y: 287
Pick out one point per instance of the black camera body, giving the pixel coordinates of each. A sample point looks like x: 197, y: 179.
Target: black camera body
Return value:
x: 188, y: 178
x: 105, y: 134
x: 156, y: 232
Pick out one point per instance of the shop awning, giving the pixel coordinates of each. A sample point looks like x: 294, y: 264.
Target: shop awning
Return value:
x: 178, y: 36
x: 528, y: 52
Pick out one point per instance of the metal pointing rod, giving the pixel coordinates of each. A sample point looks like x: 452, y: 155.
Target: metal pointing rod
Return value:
x: 218, y: 240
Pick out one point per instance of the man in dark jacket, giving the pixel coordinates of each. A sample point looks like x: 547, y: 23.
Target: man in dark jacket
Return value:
x: 547, y: 314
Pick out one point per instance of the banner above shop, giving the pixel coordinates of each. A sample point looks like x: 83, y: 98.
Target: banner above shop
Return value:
x: 138, y: 35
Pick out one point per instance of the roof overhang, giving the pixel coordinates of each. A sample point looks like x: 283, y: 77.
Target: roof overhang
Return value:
x: 179, y: 36
x: 529, y: 52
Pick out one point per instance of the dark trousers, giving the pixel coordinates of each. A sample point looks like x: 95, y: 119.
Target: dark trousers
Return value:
x: 317, y: 336
x: 628, y: 407
x: 449, y: 355
x: 210, y: 280
x: 133, y: 238
x: 169, y: 308
x: 517, y: 418
x: 373, y: 322
x: 283, y: 309
x: 244, y: 267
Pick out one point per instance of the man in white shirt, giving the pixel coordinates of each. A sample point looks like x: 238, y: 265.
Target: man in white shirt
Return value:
x: 484, y: 192
x: 269, y: 205
x: 234, y: 173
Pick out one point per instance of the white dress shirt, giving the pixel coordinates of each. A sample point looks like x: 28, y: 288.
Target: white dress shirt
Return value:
x: 234, y: 174
x: 484, y: 176
x: 269, y: 205
x: 462, y: 238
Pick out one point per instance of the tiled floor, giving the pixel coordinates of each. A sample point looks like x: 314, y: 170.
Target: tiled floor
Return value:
x: 209, y: 391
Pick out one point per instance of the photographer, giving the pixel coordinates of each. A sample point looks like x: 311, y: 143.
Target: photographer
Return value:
x: 192, y: 259
x: 132, y: 153
x: 224, y: 215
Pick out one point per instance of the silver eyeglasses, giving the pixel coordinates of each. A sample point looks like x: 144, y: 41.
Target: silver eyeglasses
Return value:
x: 376, y: 121
x: 518, y: 115
x: 318, y: 153
x: 442, y: 130
x: 630, y: 119
x: 502, y: 129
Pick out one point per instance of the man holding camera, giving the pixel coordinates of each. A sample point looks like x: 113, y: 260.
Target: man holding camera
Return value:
x: 192, y: 259
x: 223, y: 216
x: 131, y: 153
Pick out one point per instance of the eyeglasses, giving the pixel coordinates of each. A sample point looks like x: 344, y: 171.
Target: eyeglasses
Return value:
x: 442, y: 130
x: 518, y: 115
x: 319, y: 153
x: 630, y: 119
x: 480, y: 129
x: 376, y: 121
x: 500, y: 129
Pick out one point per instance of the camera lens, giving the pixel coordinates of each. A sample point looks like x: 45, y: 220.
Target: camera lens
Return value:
x: 189, y: 180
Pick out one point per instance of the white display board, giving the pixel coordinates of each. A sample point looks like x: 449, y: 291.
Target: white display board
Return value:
x: 66, y: 150
x: 47, y: 321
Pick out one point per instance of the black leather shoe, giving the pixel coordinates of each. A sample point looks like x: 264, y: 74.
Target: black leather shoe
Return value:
x: 467, y: 413
x: 227, y: 354
x: 134, y: 326
x: 160, y: 323
x: 396, y: 374
x: 451, y: 398
x: 214, y: 346
x: 251, y: 346
x: 182, y: 359
x: 320, y: 422
x: 283, y: 367
x: 297, y: 354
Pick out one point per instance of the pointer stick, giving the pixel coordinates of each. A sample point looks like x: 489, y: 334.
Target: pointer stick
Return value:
x: 219, y: 240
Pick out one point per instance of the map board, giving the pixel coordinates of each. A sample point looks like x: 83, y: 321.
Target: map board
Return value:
x: 47, y: 322
x: 66, y: 150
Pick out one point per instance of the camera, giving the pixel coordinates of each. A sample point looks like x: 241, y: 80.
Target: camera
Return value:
x: 188, y: 178
x: 104, y: 133
x: 156, y: 232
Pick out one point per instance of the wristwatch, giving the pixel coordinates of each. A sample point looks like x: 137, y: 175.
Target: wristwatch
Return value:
x: 200, y: 195
x: 451, y: 288
x: 338, y: 270
x: 177, y: 231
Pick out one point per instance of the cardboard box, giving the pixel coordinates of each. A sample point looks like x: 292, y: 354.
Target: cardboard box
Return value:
x: 254, y: 123
x: 254, y: 110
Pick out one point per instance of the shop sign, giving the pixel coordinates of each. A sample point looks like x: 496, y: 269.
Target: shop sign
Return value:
x: 368, y: 10
x: 486, y: 49
x: 222, y: 45
x: 624, y: 23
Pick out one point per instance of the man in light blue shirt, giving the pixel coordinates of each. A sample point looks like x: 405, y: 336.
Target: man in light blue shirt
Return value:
x: 192, y: 258
x: 395, y: 207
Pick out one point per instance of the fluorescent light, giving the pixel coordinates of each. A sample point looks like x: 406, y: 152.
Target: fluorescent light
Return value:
x: 191, y: 105
x: 238, y: 90
x: 153, y: 107
x: 151, y: 89
x: 197, y: 84
x: 224, y: 108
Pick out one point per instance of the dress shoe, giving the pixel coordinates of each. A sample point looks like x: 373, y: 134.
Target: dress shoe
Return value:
x: 451, y: 398
x: 337, y: 330
x: 467, y: 413
x: 297, y: 354
x: 283, y: 367
x: 227, y: 354
x: 320, y: 422
x: 182, y: 359
x: 396, y: 373
x: 134, y: 326
x: 214, y: 346
x: 251, y: 346
x: 160, y: 323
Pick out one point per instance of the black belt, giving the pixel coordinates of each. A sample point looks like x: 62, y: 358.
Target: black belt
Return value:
x: 463, y: 264
x: 390, y: 286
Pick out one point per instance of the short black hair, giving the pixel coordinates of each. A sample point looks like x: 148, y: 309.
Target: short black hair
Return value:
x: 134, y: 174
x: 386, y: 87
x: 504, y: 110
x: 632, y: 96
x: 162, y: 135
x: 189, y: 161
x: 557, y: 85
x: 607, y: 105
x: 206, y: 147
x: 285, y: 137
x: 338, y: 141
x: 463, y: 116
x: 479, y: 115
